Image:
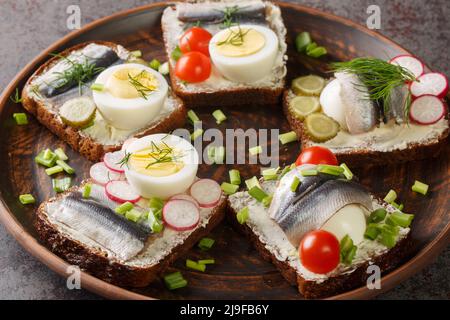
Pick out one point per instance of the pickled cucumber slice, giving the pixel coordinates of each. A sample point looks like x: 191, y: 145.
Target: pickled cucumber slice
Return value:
x: 78, y: 112
x: 301, y: 106
x: 308, y: 85
x: 320, y: 127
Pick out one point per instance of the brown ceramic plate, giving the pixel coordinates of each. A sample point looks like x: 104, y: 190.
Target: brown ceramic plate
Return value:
x: 239, y: 273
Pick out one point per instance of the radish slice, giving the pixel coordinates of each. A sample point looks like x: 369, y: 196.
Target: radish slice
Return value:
x: 181, y: 215
x: 427, y: 109
x: 207, y: 192
x: 102, y: 175
x: 434, y: 83
x: 121, y: 191
x: 186, y: 197
x: 410, y: 63
x: 112, y: 161
x: 127, y: 143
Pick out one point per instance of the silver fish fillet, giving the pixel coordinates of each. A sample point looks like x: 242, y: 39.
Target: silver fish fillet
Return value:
x: 397, y: 101
x: 102, y: 225
x: 311, y: 206
x: 361, y: 114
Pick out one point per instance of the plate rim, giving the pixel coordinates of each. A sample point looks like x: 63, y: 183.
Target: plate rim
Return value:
x: 419, y: 261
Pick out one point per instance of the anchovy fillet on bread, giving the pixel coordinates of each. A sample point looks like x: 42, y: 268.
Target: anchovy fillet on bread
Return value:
x: 43, y: 102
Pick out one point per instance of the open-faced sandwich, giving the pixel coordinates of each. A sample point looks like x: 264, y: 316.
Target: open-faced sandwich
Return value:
x: 319, y: 226
x: 372, y: 109
x: 96, y: 95
x: 141, y: 209
x: 226, y: 52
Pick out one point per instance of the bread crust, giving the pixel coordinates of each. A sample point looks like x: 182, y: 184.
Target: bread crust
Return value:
x: 332, y: 286
x: 358, y: 158
x: 86, y: 146
x: 96, y: 262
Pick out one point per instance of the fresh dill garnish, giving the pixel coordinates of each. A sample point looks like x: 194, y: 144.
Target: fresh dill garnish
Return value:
x: 162, y: 154
x: 380, y: 78
x: 79, y: 73
x: 35, y: 89
x: 143, y: 90
x: 229, y: 16
x: 125, y: 159
x: 235, y: 38
x: 16, y: 98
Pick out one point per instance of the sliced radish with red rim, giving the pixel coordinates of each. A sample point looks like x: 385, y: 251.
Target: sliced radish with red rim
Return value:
x: 434, y: 83
x: 186, y: 197
x: 181, y: 215
x: 121, y: 191
x: 102, y: 175
x: 207, y: 192
x: 113, y: 161
x: 427, y: 109
x: 414, y: 65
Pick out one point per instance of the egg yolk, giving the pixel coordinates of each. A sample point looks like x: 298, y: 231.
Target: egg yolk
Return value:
x: 131, y: 83
x: 157, y: 161
x: 237, y: 42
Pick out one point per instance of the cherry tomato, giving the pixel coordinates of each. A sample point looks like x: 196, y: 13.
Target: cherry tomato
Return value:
x: 193, y: 67
x: 195, y: 39
x: 316, y: 155
x: 319, y: 251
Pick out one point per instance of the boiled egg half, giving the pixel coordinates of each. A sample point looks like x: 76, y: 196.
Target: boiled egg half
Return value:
x: 161, y: 165
x: 331, y: 102
x: 244, y: 53
x: 132, y: 95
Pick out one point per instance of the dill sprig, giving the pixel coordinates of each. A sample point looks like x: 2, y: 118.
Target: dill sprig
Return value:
x: 235, y: 38
x: 125, y: 159
x: 143, y: 90
x: 229, y: 16
x: 379, y: 76
x: 16, y: 98
x: 162, y: 154
x: 79, y: 73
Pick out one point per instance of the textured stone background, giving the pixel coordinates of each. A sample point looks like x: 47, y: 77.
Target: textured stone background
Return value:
x: 30, y: 26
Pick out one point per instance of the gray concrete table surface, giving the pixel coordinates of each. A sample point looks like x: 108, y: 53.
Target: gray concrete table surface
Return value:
x: 30, y: 26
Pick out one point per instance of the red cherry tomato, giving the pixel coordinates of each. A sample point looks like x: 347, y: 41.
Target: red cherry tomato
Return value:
x: 195, y: 39
x: 316, y: 155
x: 319, y: 251
x: 193, y: 67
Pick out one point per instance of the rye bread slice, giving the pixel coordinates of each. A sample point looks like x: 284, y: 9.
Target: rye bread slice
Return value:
x: 357, y: 158
x: 232, y: 93
x: 82, y: 143
x: 96, y: 262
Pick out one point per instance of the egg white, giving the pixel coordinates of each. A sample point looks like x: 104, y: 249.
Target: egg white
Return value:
x: 332, y: 104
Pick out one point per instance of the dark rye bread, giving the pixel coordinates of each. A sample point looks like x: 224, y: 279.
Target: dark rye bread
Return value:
x: 334, y: 285
x: 96, y: 263
x: 85, y: 145
x: 357, y: 158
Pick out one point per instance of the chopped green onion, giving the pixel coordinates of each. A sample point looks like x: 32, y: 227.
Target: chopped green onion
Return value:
x: 242, y: 215
x: 389, y: 229
x: 396, y: 205
x: 154, y: 64
x: 235, y: 176
x: 206, y: 261
x: 197, y: 133
x: 302, y: 40
x: 401, y: 219
x: 53, y: 170
x: 133, y: 215
x: 211, y: 150
x: 270, y: 174
x: 347, y: 249
x: 136, y: 53
x: 39, y: 159
x: 347, y: 173
x: 48, y: 154
x: 157, y: 226
x: 87, y: 190
x: 401, y: 206
x: 26, y: 199
x: 176, y: 53
x: 164, y: 68
x: 377, y: 215
x: 61, y: 185
x: 391, y: 196
x: 61, y: 154
x: 219, y: 154
x: 65, y: 166
x: 206, y: 243
x: 420, y: 187
x: 192, y: 116
x: 124, y: 208
x: 288, y: 137
x: 372, y: 232
x: 308, y: 173
x: 156, y: 203
x: 195, y: 266
x: 219, y: 116
x: 285, y: 170
x: 255, y: 150
x: 175, y: 281
x: 328, y: 169
x: 317, y: 52
x: 310, y: 47
x: 388, y: 239
x: 257, y: 193
x: 348, y: 258
x: 97, y: 87
x: 229, y: 188
x: 295, y: 183
x: 252, y: 182
x: 267, y: 201
x: 21, y: 118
